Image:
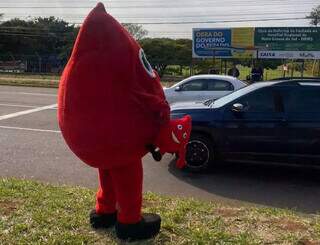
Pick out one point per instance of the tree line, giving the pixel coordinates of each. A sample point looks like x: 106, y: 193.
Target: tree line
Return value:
x: 49, y: 41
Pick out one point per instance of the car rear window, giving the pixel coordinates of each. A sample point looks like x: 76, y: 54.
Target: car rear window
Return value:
x: 219, y: 85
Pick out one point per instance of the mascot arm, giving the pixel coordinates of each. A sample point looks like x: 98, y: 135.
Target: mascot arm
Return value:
x: 156, y: 104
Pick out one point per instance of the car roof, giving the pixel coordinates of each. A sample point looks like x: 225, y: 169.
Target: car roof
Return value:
x: 298, y: 81
x: 295, y: 78
x: 212, y: 76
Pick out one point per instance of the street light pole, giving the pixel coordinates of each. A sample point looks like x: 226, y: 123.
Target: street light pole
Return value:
x: 214, y: 58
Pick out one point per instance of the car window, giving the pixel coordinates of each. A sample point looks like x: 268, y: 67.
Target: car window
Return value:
x: 239, y: 93
x: 261, y: 100
x: 302, y: 99
x: 219, y: 85
x: 194, y: 85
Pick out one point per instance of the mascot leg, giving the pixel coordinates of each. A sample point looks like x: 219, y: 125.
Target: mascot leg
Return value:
x: 105, y: 215
x: 131, y: 224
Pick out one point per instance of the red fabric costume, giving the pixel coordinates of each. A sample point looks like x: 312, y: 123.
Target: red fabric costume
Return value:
x: 110, y: 106
x: 174, y: 137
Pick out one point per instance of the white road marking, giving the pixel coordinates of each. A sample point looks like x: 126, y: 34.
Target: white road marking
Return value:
x: 24, y: 93
x: 15, y: 105
x: 32, y: 129
x: 20, y: 113
x: 23, y: 106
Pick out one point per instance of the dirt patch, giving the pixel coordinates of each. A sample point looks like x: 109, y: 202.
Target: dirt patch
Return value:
x: 149, y: 204
x: 8, y: 207
x: 228, y: 212
x: 307, y: 242
x: 293, y: 226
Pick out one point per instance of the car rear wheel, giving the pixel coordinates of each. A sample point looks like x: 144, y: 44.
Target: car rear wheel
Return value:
x: 200, y: 153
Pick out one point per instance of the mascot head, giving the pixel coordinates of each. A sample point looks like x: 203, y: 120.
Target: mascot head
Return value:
x: 116, y: 50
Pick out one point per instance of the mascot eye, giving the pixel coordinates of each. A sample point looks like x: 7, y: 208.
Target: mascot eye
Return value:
x: 184, y: 135
x: 180, y: 127
x: 145, y: 63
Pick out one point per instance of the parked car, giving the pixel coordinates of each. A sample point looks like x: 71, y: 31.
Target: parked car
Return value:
x: 275, y: 122
x: 202, y: 87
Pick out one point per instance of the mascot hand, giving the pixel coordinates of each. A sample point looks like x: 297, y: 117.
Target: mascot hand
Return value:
x: 173, y: 138
x: 155, y: 152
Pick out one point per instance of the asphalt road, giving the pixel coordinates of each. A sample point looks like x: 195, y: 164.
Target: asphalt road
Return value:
x: 31, y: 147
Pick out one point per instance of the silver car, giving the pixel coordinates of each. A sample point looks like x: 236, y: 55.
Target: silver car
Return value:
x: 202, y: 87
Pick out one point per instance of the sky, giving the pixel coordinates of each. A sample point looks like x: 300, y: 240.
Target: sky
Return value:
x: 171, y: 18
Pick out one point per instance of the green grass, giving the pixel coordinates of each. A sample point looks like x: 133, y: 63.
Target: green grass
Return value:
x: 271, y: 74
x: 36, y: 213
x: 52, y: 81
x: 31, y: 80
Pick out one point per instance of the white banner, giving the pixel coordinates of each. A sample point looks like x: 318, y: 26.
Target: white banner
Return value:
x: 307, y: 55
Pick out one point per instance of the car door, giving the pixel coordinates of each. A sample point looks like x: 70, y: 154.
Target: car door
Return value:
x: 190, y: 90
x: 253, y: 133
x: 302, y: 111
x: 215, y: 89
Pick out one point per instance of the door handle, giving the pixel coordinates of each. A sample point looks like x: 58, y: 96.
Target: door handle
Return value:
x: 282, y: 120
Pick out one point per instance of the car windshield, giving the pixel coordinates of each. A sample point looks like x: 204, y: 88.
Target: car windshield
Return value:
x: 230, y: 97
x: 208, y: 102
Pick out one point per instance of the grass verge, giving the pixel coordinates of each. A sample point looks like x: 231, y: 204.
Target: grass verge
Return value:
x: 52, y: 81
x: 29, y: 80
x: 36, y: 213
x: 41, y: 81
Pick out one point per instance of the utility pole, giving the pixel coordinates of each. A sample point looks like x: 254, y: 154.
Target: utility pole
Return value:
x: 214, y: 58
x: 302, y: 68
x: 40, y: 61
x: 225, y: 67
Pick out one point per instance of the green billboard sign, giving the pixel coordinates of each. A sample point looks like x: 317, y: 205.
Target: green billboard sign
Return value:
x: 287, y: 38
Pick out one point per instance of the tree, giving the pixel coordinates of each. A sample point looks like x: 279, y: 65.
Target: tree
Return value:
x: 162, y: 52
x: 45, y: 42
x: 44, y: 36
x: 315, y: 16
x: 137, y: 31
x: 183, y: 53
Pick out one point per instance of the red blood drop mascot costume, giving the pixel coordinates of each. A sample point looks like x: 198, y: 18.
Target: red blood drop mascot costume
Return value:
x: 112, y: 111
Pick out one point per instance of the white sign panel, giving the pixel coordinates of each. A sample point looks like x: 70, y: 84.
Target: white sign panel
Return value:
x: 307, y: 55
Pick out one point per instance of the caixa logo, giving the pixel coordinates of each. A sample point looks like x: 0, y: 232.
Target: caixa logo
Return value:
x: 306, y: 55
x: 267, y: 54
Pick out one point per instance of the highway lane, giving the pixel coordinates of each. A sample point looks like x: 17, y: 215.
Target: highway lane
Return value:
x: 32, y: 147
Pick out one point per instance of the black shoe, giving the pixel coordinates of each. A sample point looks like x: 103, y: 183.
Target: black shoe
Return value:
x: 148, y: 227
x: 105, y: 221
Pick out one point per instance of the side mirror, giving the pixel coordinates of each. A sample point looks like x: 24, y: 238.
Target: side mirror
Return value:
x: 238, y: 108
x: 177, y: 89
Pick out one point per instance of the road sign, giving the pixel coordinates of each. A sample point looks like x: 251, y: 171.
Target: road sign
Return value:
x: 288, y: 38
x: 211, y: 42
x: 266, y: 42
x: 288, y: 42
x: 306, y: 55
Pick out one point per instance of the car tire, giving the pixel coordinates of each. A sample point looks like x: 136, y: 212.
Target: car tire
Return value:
x: 200, y: 153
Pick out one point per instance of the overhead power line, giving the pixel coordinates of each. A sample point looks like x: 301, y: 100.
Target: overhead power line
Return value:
x: 76, y: 16
x: 166, y: 6
x: 204, y: 22
x: 208, y: 21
